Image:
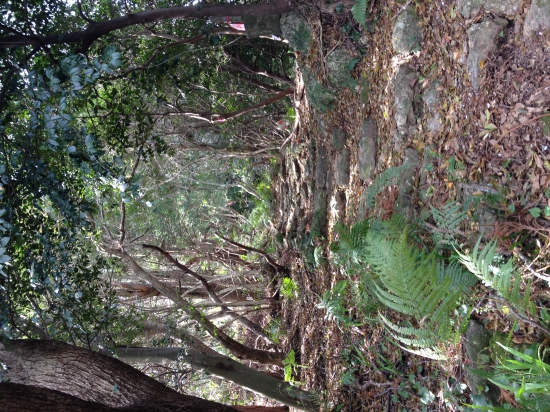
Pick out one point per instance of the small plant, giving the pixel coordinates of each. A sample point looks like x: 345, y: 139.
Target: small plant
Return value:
x: 289, y: 289
x: 290, y: 367
x: 332, y: 302
x: 526, y: 376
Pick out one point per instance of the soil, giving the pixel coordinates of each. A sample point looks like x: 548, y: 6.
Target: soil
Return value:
x: 493, y: 137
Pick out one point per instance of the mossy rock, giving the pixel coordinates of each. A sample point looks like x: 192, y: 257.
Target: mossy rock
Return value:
x: 320, y: 97
x: 297, y: 32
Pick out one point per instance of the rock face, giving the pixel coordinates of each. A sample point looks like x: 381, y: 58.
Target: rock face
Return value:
x: 338, y: 139
x: 403, y: 203
x: 340, y: 64
x: 407, y: 33
x: 482, y: 40
x: 508, y: 8
x: 477, y: 340
x: 538, y: 18
x: 367, y: 150
x: 341, y: 171
x: 318, y: 96
x: 432, y: 98
x: 404, y: 99
x: 295, y: 29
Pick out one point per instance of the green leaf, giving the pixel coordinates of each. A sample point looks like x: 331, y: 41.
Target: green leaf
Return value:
x: 535, y: 212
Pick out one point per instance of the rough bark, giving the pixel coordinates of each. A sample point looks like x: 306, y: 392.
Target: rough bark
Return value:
x: 93, y: 377
x: 99, y: 29
x: 225, y: 368
x: 237, y: 349
x: 22, y: 398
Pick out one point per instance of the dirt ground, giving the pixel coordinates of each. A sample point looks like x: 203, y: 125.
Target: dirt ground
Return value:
x: 513, y: 158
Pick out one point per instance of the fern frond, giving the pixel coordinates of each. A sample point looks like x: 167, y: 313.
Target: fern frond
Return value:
x: 423, y: 343
x: 460, y: 279
x: 448, y: 218
x: 388, y: 177
x: 359, y: 11
x: 353, y: 238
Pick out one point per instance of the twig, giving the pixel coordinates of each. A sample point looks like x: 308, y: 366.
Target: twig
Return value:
x: 529, y: 264
x: 528, y: 121
x: 521, y: 317
x: 401, y: 10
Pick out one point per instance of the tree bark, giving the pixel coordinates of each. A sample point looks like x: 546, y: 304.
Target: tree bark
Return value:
x: 226, y: 368
x: 92, y: 377
x: 22, y: 398
x: 99, y: 29
x: 237, y: 349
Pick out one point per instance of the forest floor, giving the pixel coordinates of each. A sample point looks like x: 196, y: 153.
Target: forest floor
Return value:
x: 490, y: 140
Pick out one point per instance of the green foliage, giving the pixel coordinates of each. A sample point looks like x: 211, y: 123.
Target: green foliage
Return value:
x: 359, y: 12
x: 50, y: 164
x: 388, y: 177
x: 405, y: 279
x: 289, y: 289
x: 448, y: 220
x: 332, y: 303
x: 409, y: 284
x: 527, y: 376
x: 290, y: 367
x: 502, y: 277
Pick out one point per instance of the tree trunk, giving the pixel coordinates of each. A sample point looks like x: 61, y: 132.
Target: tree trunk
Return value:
x: 100, y: 29
x: 225, y: 368
x: 22, y: 398
x: 92, y: 377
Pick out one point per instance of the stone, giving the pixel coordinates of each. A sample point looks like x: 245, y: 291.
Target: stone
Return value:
x: 338, y: 205
x: 338, y: 139
x: 476, y: 342
x: 432, y: 98
x: 430, y: 153
x: 367, y: 150
x: 537, y: 18
x: 407, y: 33
x: 321, y: 167
x: 317, y: 95
x: 470, y: 8
x: 319, y: 221
x: 403, y: 203
x: 482, y: 40
x: 362, y: 211
x: 295, y: 29
x: 404, y: 99
x: 339, y: 64
x: 342, y: 168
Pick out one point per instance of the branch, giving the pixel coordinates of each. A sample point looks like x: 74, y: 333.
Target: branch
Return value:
x: 211, y: 293
x: 239, y: 350
x: 278, y: 268
x: 97, y: 30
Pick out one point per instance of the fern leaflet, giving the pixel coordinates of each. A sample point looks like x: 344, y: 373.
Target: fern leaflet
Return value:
x: 359, y: 11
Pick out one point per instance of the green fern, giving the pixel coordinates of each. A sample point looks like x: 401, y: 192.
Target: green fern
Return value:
x: 351, y: 238
x: 408, y: 282
x: 359, y: 12
x: 448, y: 219
x: 388, y: 177
x: 460, y: 279
x: 502, y: 277
x: 332, y: 302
